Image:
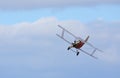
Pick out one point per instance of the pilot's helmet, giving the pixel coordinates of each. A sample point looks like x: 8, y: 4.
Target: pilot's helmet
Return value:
x: 74, y: 41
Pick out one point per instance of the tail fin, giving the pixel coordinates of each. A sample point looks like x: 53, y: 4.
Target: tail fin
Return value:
x: 87, y: 39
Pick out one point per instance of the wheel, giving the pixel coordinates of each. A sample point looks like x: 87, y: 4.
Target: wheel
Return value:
x: 68, y: 48
x: 77, y: 53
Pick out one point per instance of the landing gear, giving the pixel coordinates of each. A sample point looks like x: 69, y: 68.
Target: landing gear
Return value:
x: 68, y: 48
x: 77, y: 53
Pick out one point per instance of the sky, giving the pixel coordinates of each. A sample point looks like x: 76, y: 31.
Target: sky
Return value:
x: 29, y: 47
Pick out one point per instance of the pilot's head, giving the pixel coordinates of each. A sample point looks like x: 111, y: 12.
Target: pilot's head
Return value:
x: 74, y: 41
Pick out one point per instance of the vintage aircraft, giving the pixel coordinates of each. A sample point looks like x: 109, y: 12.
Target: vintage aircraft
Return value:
x: 78, y: 43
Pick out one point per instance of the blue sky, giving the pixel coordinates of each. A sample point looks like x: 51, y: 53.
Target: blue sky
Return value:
x: 84, y: 14
x: 29, y: 47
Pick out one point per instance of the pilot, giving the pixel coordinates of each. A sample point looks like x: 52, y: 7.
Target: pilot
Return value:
x: 73, y: 45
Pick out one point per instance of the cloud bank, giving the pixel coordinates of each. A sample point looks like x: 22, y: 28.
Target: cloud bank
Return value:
x: 41, y: 33
x: 37, y: 4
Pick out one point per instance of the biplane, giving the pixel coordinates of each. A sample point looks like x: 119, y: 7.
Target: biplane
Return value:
x: 78, y: 43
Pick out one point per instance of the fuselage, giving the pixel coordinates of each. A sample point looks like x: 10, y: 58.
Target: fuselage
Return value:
x: 79, y: 45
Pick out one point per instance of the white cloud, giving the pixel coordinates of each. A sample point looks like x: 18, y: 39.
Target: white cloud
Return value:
x: 36, y: 4
x: 35, y: 32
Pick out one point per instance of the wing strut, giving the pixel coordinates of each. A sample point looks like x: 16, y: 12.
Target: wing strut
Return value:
x: 63, y: 38
x: 67, y: 31
x: 89, y: 53
x: 63, y: 33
